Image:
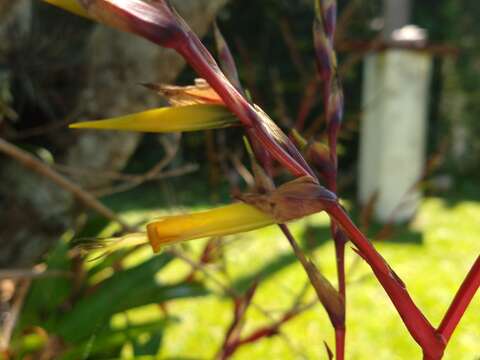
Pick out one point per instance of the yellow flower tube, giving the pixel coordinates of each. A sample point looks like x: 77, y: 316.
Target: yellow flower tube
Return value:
x: 72, y: 6
x: 168, y: 119
x: 225, y: 220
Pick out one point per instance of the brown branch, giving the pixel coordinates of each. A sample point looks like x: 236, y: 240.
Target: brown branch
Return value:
x: 232, y: 336
x: 292, y: 46
x: 37, y: 166
x: 196, y: 266
x: 12, y: 315
x: 39, y: 130
x: 119, y: 176
x: 32, y: 273
x: 344, y: 19
x: 187, y: 169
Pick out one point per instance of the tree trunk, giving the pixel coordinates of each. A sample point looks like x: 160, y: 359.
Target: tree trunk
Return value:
x: 86, y: 72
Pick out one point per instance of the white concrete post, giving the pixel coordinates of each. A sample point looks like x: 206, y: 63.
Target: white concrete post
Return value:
x: 393, y: 131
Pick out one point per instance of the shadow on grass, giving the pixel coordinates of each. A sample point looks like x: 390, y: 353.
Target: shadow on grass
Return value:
x: 399, y: 234
x: 392, y: 233
x: 310, y: 240
x: 464, y: 190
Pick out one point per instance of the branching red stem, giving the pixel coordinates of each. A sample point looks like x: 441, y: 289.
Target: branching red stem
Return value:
x: 460, y: 302
x: 195, y: 55
x: 418, y: 326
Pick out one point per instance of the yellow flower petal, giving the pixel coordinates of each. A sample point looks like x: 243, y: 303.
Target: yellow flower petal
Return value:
x: 225, y: 220
x: 169, y: 119
x: 72, y: 6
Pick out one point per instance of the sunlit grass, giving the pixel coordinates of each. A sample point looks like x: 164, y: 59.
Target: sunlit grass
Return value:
x: 432, y: 268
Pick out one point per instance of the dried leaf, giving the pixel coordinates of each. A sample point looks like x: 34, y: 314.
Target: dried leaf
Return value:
x: 200, y: 93
x: 266, y: 131
x: 328, y: 295
x: 293, y: 200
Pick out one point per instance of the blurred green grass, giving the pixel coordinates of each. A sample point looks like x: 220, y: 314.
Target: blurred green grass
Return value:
x: 432, y: 256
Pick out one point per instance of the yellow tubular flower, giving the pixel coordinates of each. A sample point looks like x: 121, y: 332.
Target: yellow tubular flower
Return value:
x: 225, y: 220
x: 72, y: 6
x: 169, y: 119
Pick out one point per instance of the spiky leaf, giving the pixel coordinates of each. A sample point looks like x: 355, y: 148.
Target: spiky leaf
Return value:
x: 170, y: 119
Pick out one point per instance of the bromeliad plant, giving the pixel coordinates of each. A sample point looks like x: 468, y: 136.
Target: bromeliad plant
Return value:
x: 218, y: 101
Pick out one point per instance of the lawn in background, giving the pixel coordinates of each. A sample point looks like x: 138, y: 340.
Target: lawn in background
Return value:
x: 432, y: 256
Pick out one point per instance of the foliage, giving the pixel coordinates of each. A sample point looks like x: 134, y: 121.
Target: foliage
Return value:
x: 311, y: 162
x: 80, y: 311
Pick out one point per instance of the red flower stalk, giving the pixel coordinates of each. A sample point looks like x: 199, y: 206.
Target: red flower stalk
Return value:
x: 324, y: 32
x: 327, y: 10
x: 460, y: 302
x: 154, y: 21
x: 334, y: 115
x: 265, y: 130
x: 227, y: 62
x: 158, y: 22
x: 418, y: 326
x: 326, y: 58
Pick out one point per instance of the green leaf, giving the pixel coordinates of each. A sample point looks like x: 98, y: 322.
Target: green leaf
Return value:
x: 47, y: 294
x: 107, y: 342
x: 125, y: 290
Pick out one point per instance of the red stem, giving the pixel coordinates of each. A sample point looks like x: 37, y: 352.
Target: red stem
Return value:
x: 197, y: 56
x: 460, y: 302
x: 269, y: 330
x: 339, y: 242
x: 340, y: 260
x: 340, y: 343
x: 340, y: 256
x: 418, y: 326
x: 308, y: 101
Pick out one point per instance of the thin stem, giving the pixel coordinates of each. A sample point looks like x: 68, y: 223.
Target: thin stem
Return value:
x: 337, y: 236
x: 340, y: 343
x: 296, y: 249
x: 338, y: 322
x: 12, y: 316
x: 340, y: 256
x: 460, y: 302
x: 418, y: 326
x: 340, y: 333
x: 198, y: 57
